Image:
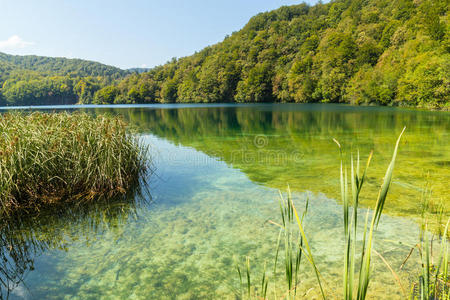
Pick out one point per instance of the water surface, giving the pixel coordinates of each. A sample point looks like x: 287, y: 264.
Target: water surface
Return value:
x: 218, y: 172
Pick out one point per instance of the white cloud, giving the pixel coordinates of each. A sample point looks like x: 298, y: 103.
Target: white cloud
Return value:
x: 143, y: 66
x: 13, y: 43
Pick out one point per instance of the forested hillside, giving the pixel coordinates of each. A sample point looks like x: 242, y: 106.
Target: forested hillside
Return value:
x: 389, y: 52
x: 37, y: 80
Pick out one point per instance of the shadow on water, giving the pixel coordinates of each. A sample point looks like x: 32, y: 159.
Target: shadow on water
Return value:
x: 26, y: 235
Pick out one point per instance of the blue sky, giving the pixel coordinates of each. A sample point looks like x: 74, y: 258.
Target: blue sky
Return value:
x: 133, y: 33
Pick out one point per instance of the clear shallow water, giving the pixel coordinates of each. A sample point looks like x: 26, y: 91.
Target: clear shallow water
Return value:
x: 218, y: 171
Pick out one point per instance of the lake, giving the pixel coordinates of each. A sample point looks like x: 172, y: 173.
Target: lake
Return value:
x: 218, y: 170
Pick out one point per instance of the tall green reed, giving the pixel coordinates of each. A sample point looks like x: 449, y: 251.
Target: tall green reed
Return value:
x: 290, y: 242
x: 350, y: 229
x: 55, y: 157
x: 356, y: 274
x: 433, y: 282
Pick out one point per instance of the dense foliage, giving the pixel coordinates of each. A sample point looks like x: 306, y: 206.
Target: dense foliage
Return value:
x: 354, y: 51
x: 357, y: 51
x: 37, y: 80
x: 62, y: 66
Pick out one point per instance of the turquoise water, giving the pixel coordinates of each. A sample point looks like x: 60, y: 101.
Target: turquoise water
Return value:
x: 218, y: 171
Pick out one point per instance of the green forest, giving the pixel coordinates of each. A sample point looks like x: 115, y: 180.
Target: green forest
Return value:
x: 38, y: 80
x: 368, y: 52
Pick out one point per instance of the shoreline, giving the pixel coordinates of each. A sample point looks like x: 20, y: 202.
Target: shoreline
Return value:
x: 221, y: 104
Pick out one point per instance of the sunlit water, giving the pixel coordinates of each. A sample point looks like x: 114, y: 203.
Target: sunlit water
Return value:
x: 217, y: 174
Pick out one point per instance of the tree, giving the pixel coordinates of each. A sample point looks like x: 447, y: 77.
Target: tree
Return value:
x: 169, y: 91
x: 106, y: 95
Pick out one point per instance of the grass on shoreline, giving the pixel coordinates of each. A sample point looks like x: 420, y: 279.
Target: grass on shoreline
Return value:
x: 54, y: 157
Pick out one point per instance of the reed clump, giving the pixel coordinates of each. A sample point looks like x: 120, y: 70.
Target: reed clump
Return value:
x: 433, y: 282
x: 47, y: 158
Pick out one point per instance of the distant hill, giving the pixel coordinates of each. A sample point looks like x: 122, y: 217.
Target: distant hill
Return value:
x: 354, y: 51
x: 62, y: 66
x: 139, y: 70
x: 39, y: 80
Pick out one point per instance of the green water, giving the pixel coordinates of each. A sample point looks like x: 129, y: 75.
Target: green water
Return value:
x: 218, y: 170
